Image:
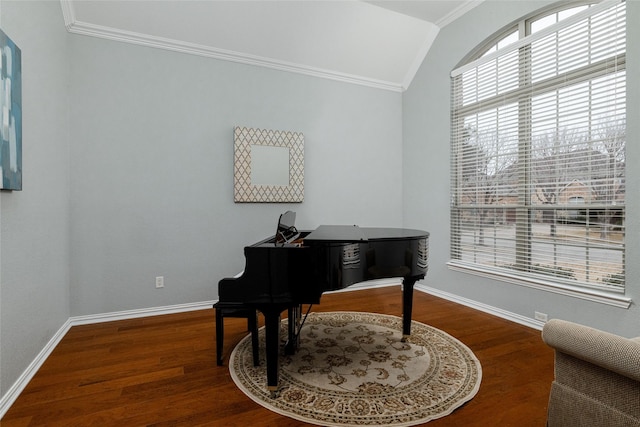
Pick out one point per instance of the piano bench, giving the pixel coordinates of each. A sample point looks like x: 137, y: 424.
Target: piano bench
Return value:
x: 239, y: 310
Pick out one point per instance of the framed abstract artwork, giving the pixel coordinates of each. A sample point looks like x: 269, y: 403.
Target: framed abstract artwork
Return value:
x: 11, y: 115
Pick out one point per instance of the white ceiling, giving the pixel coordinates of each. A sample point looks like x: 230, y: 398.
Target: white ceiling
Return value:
x: 373, y: 43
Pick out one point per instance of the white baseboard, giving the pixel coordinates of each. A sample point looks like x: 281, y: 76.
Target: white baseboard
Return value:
x: 12, y: 394
x: 370, y: 284
x: 142, y: 312
x: 526, y: 321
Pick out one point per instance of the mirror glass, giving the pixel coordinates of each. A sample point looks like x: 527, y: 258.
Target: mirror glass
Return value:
x: 269, y: 165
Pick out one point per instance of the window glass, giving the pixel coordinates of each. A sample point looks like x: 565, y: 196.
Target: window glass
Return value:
x: 538, y: 152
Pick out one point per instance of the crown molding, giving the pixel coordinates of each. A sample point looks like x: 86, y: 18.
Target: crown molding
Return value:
x: 83, y: 28
x: 458, y: 12
x: 68, y: 13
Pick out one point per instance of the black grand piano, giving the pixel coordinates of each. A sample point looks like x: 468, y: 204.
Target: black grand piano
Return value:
x: 295, y: 267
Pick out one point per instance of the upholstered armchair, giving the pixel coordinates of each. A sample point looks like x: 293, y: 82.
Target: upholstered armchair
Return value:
x: 597, y: 377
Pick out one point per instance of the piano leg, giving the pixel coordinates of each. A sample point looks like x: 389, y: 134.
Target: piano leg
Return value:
x: 272, y: 337
x: 407, y: 304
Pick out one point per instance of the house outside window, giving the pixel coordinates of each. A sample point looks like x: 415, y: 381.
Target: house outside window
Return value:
x: 538, y: 140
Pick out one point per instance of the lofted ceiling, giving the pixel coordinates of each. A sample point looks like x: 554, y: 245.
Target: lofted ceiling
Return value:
x: 374, y: 43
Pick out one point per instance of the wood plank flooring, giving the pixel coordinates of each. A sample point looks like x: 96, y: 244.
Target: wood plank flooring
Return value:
x: 161, y: 371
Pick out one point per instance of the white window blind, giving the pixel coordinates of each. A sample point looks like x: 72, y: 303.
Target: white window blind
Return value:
x: 538, y: 154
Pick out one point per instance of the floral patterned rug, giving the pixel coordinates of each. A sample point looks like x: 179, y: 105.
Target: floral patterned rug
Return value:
x: 352, y: 369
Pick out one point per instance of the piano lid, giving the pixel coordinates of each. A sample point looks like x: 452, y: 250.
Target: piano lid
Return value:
x: 337, y: 233
x: 354, y: 234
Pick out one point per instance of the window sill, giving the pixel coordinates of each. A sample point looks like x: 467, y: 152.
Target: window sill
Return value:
x: 593, y: 295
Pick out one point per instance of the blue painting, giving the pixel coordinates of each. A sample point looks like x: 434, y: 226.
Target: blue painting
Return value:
x: 11, y: 111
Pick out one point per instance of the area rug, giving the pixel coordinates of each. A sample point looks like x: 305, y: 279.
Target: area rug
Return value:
x: 352, y: 369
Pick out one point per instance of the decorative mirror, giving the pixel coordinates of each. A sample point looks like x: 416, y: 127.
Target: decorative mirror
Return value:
x: 268, y: 165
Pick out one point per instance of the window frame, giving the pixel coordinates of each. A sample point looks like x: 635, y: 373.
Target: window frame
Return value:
x: 584, y: 291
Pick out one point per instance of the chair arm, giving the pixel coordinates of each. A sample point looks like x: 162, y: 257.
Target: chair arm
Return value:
x: 612, y: 352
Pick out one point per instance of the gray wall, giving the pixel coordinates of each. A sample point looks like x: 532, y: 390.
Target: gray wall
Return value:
x: 426, y: 112
x: 34, y: 286
x: 128, y: 174
x: 152, y: 167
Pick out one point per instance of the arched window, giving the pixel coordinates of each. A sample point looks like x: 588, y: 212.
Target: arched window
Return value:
x: 538, y: 121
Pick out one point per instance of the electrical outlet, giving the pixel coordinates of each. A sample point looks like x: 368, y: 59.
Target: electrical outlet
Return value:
x: 159, y: 282
x: 541, y: 316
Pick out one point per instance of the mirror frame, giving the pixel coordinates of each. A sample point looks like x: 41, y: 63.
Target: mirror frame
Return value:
x: 244, y: 191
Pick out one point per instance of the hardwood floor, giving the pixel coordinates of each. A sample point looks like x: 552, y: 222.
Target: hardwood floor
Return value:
x: 161, y: 370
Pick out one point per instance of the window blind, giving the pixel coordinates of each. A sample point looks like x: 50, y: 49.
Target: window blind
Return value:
x: 538, y: 154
